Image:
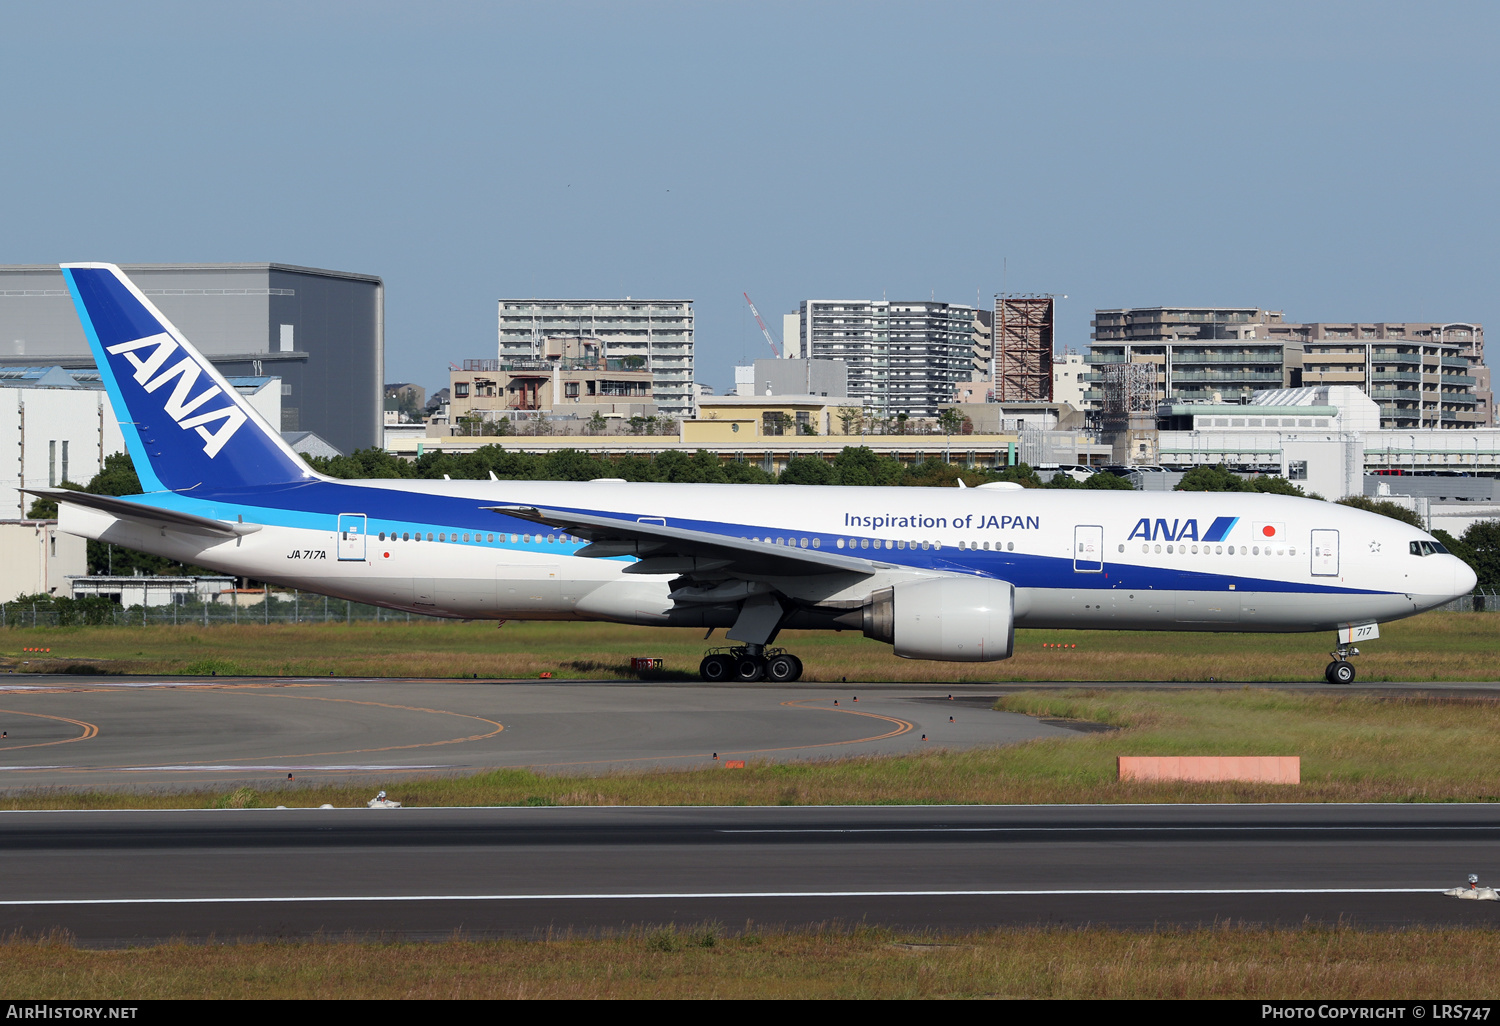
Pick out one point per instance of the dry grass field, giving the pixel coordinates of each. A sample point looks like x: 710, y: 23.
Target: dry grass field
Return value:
x: 1353, y: 748
x: 707, y: 962
x: 1431, y: 647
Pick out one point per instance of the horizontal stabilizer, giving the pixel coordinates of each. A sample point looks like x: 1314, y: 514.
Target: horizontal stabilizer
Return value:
x: 126, y: 510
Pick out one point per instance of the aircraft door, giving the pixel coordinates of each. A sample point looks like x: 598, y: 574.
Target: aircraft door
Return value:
x: 1325, y: 553
x: 1088, y: 549
x: 352, y: 536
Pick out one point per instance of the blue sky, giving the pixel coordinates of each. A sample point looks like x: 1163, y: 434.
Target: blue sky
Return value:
x: 1334, y: 160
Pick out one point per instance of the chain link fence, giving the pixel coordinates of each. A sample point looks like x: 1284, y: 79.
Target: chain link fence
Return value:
x: 280, y: 607
x: 1479, y: 601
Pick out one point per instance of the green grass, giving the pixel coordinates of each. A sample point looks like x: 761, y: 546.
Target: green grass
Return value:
x: 1353, y: 748
x: 706, y: 961
x: 1431, y: 647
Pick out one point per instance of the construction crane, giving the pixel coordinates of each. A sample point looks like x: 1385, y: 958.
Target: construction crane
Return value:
x: 763, y: 329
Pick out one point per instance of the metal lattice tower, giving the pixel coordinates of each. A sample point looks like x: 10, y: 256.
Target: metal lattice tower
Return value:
x: 1128, y: 388
x: 1023, y: 348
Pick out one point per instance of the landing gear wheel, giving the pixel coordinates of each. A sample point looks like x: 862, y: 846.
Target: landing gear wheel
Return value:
x: 783, y: 668
x: 1341, y: 672
x: 715, y: 668
x: 1328, y: 672
x: 748, y: 669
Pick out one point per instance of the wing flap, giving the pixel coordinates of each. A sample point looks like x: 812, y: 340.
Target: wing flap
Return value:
x: 726, y: 554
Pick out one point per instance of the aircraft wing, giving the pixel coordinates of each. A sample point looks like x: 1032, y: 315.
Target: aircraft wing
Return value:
x: 677, y: 550
x: 151, y: 515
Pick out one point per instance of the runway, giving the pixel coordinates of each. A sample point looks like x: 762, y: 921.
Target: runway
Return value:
x: 184, y: 733
x: 115, y: 878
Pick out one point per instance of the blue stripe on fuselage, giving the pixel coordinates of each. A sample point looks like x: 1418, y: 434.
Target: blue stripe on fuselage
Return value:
x: 315, y: 505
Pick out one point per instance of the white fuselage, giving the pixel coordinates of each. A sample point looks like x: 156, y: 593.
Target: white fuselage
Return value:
x: 1077, y: 558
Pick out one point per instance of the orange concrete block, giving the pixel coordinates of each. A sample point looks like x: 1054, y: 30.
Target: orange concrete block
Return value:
x: 1265, y: 769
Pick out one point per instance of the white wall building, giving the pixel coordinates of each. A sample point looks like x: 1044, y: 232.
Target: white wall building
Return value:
x: 1324, y: 438
x: 1068, y: 380
x: 36, y: 558
x: 58, y: 425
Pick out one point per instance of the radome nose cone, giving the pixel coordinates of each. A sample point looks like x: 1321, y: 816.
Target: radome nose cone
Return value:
x: 1463, y: 577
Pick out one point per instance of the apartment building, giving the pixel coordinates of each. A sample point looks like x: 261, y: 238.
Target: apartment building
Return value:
x: 570, y: 377
x: 902, y: 357
x: 1421, y: 374
x: 656, y: 332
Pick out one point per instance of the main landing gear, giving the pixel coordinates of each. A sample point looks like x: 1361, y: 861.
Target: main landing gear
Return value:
x: 749, y: 663
x: 1341, y: 670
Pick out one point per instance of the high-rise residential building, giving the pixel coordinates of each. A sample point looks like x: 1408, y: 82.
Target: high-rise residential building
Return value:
x: 1421, y: 375
x: 903, y: 357
x: 655, y: 335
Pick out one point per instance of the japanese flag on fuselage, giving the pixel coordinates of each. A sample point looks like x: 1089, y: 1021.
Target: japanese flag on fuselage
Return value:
x: 1270, y: 532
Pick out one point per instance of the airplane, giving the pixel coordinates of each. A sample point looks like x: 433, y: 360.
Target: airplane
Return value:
x: 939, y: 574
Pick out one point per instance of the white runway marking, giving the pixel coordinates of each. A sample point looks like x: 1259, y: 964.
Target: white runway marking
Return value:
x: 1085, y: 829
x: 288, y: 767
x: 684, y: 895
x: 267, y: 768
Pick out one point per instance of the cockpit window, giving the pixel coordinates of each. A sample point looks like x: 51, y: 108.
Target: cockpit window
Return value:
x: 1426, y: 548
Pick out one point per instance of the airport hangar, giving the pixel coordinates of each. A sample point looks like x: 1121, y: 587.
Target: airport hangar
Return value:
x: 321, y: 332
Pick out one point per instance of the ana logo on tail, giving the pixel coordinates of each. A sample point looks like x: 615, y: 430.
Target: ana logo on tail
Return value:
x: 148, y: 355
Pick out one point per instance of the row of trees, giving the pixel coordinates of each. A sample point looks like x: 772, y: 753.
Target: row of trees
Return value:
x: 854, y: 465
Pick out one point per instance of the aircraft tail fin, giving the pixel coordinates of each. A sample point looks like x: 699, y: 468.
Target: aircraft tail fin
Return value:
x: 185, y: 426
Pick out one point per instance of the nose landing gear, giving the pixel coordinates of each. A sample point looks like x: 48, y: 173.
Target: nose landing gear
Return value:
x: 750, y: 663
x: 1341, y: 670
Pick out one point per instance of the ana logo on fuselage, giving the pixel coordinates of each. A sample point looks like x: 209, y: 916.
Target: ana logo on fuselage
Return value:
x: 181, y: 404
x: 1163, y: 531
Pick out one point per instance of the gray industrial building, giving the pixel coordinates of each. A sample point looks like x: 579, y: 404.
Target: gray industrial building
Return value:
x: 321, y: 332
x: 802, y: 377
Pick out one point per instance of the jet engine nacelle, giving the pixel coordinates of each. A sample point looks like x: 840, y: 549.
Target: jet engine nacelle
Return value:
x: 962, y: 619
